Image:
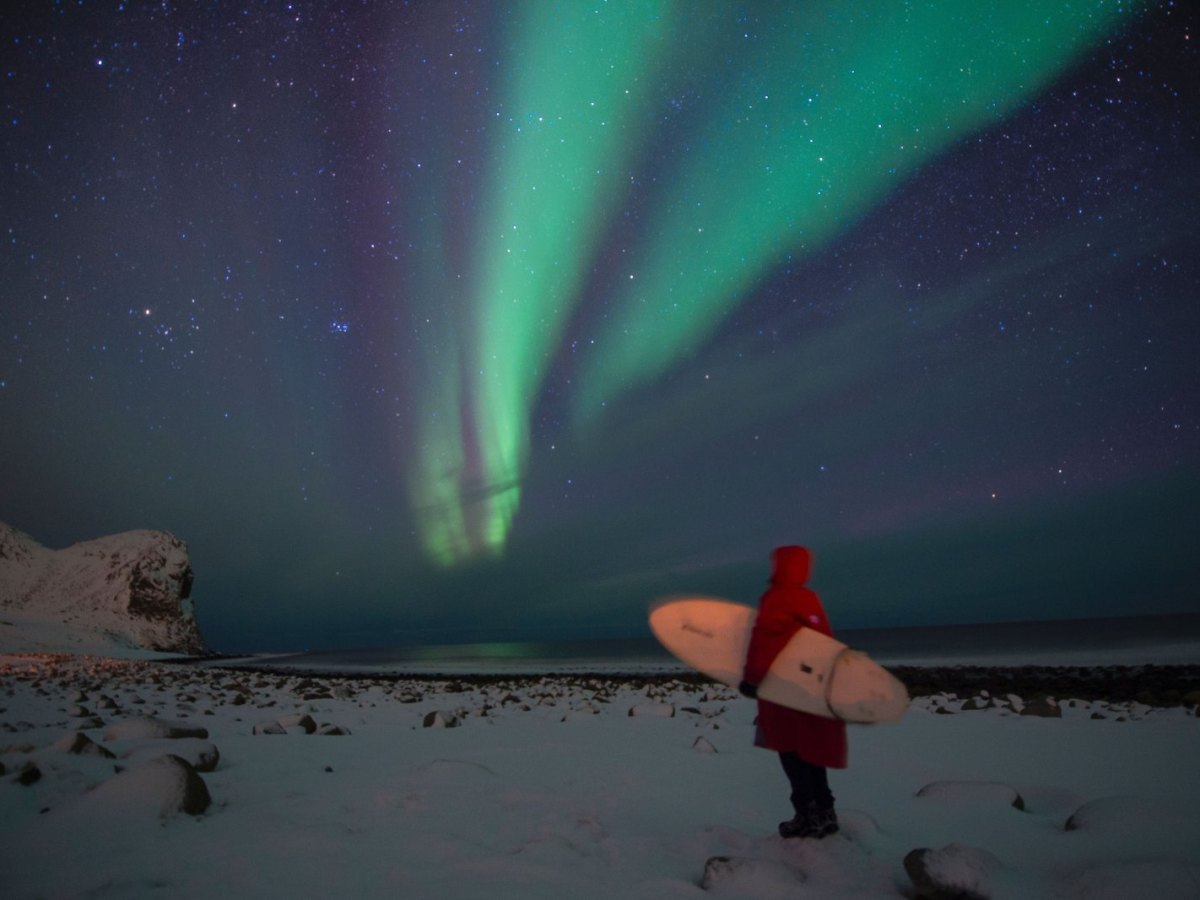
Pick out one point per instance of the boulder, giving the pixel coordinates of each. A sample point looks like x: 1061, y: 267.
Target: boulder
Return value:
x: 973, y: 793
x: 301, y: 722
x: 28, y: 774
x: 439, y: 719
x: 956, y: 872
x: 1117, y: 815
x: 82, y: 745
x: 1043, y: 707
x: 163, y: 786
x: 202, y: 755
x: 743, y: 876
x: 148, y: 727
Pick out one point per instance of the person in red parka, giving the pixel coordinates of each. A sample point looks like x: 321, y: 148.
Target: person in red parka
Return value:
x: 807, y: 745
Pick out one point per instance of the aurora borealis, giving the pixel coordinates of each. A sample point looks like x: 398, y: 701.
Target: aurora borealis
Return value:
x: 472, y: 320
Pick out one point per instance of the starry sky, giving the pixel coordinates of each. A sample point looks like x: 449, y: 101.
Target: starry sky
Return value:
x: 461, y: 321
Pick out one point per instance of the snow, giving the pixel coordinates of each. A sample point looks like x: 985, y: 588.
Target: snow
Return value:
x: 548, y: 787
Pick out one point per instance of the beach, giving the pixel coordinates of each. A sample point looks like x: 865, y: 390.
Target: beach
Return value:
x: 1030, y: 781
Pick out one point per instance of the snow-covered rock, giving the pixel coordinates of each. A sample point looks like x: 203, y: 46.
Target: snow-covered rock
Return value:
x: 1119, y: 814
x: 81, y: 745
x: 163, y: 786
x: 149, y: 727
x: 1044, y: 707
x: 747, y: 877
x: 202, y: 755
x: 973, y: 793
x: 125, y: 591
x: 956, y: 872
x: 439, y: 719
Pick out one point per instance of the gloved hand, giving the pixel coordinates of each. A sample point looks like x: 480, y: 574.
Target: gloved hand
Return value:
x: 746, y: 689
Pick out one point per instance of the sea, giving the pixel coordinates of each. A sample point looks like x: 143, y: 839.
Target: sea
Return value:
x: 1136, y: 640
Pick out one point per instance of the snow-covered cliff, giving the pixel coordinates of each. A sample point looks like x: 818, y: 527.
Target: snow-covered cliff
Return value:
x: 123, y: 592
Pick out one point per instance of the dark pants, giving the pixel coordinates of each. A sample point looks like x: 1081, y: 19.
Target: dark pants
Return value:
x: 810, y: 784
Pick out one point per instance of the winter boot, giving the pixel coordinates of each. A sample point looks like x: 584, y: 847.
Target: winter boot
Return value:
x: 801, y: 825
x: 825, y: 823
x: 810, y: 822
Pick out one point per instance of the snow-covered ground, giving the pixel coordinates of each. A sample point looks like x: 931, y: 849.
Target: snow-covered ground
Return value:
x: 550, y: 787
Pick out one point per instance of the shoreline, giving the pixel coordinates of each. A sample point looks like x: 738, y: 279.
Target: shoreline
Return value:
x: 1170, y: 685
x: 203, y: 781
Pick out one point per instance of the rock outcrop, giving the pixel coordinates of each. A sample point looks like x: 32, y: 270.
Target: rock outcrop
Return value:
x: 128, y: 590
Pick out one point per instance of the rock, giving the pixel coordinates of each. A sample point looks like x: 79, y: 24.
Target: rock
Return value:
x: 148, y: 727
x: 129, y: 589
x: 583, y: 712
x: 977, y: 703
x: 751, y: 877
x: 29, y: 774
x: 82, y: 745
x: 329, y: 729
x: 303, y: 722
x: 718, y: 869
x: 271, y: 727
x: 1043, y: 707
x: 703, y: 745
x: 439, y: 719
x: 1191, y: 698
x: 654, y: 710
x: 973, y: 793
x: 165, y: 785
x: 1120, y: 815
x: 201, y: 755
x: 956, y: 872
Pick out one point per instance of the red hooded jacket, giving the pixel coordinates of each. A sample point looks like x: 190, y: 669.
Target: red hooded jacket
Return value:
x: 784, y: 609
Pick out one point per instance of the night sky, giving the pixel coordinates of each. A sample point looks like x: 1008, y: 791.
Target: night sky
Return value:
x: 457, y: 321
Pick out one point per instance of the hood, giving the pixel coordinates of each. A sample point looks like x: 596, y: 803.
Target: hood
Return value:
x: 790, y: 565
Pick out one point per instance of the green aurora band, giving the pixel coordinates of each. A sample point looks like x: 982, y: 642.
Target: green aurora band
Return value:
x: 835, y: 104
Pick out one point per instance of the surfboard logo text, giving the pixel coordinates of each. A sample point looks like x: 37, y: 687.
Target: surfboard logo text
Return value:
x: 688, y: 626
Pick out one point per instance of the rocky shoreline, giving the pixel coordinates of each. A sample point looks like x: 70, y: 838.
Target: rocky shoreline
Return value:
x: 119, y: 756
x: 1146, y: 684
x: 1149, y: 685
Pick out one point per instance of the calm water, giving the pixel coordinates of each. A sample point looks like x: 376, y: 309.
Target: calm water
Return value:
x: 1163, y: 640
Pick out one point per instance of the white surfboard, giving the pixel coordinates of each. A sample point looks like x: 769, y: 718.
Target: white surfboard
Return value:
x: 814, y: 673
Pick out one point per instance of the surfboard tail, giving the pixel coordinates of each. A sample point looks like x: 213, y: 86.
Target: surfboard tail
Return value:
x: 862, y: 691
